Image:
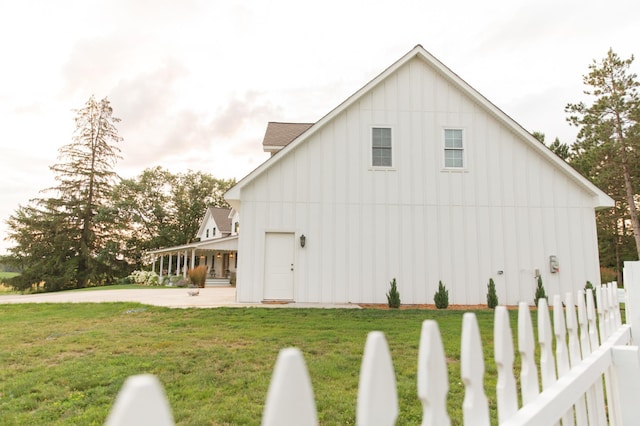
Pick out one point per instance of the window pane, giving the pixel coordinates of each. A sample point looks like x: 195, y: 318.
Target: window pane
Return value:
x: 381, y: 137
x: 381, y: 157
x: 453, y: 158
x: 453, y: 138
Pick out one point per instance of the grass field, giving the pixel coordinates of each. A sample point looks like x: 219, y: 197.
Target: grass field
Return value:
x: 63, y: 364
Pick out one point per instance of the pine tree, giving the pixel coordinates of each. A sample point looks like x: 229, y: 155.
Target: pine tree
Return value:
x: 492, y: 296
x: 393, y: 297
x: 608, y: 142
x: 73, y: 228
x: 441, y: 297
x: 540, y: 292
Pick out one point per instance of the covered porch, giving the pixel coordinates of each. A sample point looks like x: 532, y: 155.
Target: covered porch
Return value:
x: 220, y: 256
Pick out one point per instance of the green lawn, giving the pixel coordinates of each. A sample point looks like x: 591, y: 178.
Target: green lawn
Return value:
x: 5, y: 275
x: 4, y: 289
x: 63, y: 364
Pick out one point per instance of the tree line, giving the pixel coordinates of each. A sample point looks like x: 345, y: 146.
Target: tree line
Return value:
x: 94, y: 226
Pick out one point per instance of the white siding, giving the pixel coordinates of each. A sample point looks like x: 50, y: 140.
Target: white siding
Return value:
x: 508, y: 210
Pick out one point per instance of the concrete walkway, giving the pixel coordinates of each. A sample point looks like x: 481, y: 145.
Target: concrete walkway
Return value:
x: 210, y: 297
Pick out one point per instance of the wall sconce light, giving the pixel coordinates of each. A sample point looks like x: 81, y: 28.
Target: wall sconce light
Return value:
x: 231, y: 255
x: 303, y: 240
x: 218, y: 255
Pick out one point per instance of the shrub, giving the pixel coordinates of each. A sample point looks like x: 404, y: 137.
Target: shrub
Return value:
x: 393, y: 297
x: 540, y: 293
x: 144, y: 278
x: 441, y: 297
x: 593, y: 289
x: 198, y: 275
x: 492, y: 296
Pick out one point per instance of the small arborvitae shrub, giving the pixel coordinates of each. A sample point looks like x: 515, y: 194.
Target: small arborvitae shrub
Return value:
x: 540, y: 293
x: 441, y: 298
x: 492, y: 296
x: 393, y: 297
x: 198, y: 276
x: 593, y: 289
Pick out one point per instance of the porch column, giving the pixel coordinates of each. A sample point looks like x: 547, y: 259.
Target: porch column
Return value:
x: 170, y: 255
x: 178, y: 264
x: 161, y: 266
x: 193, y: 258
x: 184, y: 266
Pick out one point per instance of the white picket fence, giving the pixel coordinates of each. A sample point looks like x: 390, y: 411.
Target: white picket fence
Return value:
x: 589, y: 369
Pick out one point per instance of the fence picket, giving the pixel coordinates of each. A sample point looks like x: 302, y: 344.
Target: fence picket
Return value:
x: 602, y: 313
x: 141, y: 401
x: 290, y: 399
x: 506, y: 393
x: 545, y: 339
x: 433, y: 381
x: 562, y: 356
x: 585, y: 344
x: 528, y: 370
x: 585, y: 347
x: 475, y: 408
x: 377, y: 394
x: 594, y: 342
x: 574, y: 356
x: 616, y: 304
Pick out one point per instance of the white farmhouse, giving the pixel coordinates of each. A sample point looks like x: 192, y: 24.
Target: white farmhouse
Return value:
x: 416, y: 177
x: 215, y: 246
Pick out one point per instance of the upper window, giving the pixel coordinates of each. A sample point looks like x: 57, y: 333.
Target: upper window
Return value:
x: 207, y: 234
x: 381, y: 147
x: 453, y: 148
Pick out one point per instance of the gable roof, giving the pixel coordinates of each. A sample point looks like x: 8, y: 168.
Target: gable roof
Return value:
x: 603, y: 200
x: 222, y: 218
x: 279, y: 135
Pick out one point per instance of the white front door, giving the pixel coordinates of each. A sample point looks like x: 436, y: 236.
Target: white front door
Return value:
x: 278, y: 266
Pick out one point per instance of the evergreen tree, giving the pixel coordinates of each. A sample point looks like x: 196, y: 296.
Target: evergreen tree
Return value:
x: 492, y: 295
x: 540, y: 292
x: 393, y: 296
x: 608, y: 140
x: 67, y: 239
x: 441, y: 297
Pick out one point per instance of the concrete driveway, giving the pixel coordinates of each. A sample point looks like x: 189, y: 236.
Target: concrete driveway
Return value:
x: 210, y: 297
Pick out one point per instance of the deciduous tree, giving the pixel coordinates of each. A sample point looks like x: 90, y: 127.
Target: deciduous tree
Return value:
x: 163, y: 209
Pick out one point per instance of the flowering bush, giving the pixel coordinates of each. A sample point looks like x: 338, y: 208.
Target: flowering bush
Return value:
x: 145, y: 278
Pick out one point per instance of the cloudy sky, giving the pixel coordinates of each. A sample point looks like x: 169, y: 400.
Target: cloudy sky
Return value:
x: 196, y: 81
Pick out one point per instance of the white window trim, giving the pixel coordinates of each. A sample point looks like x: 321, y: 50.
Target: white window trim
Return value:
x: 370, y: 147
x: 464, y: 150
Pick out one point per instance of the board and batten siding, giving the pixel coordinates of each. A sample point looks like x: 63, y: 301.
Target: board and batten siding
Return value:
x: 508, y: 210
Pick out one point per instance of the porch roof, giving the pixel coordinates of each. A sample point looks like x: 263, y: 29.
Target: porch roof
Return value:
x: 227, y: 243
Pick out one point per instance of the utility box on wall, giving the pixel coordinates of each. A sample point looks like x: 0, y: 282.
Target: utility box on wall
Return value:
x: 554, y: 264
